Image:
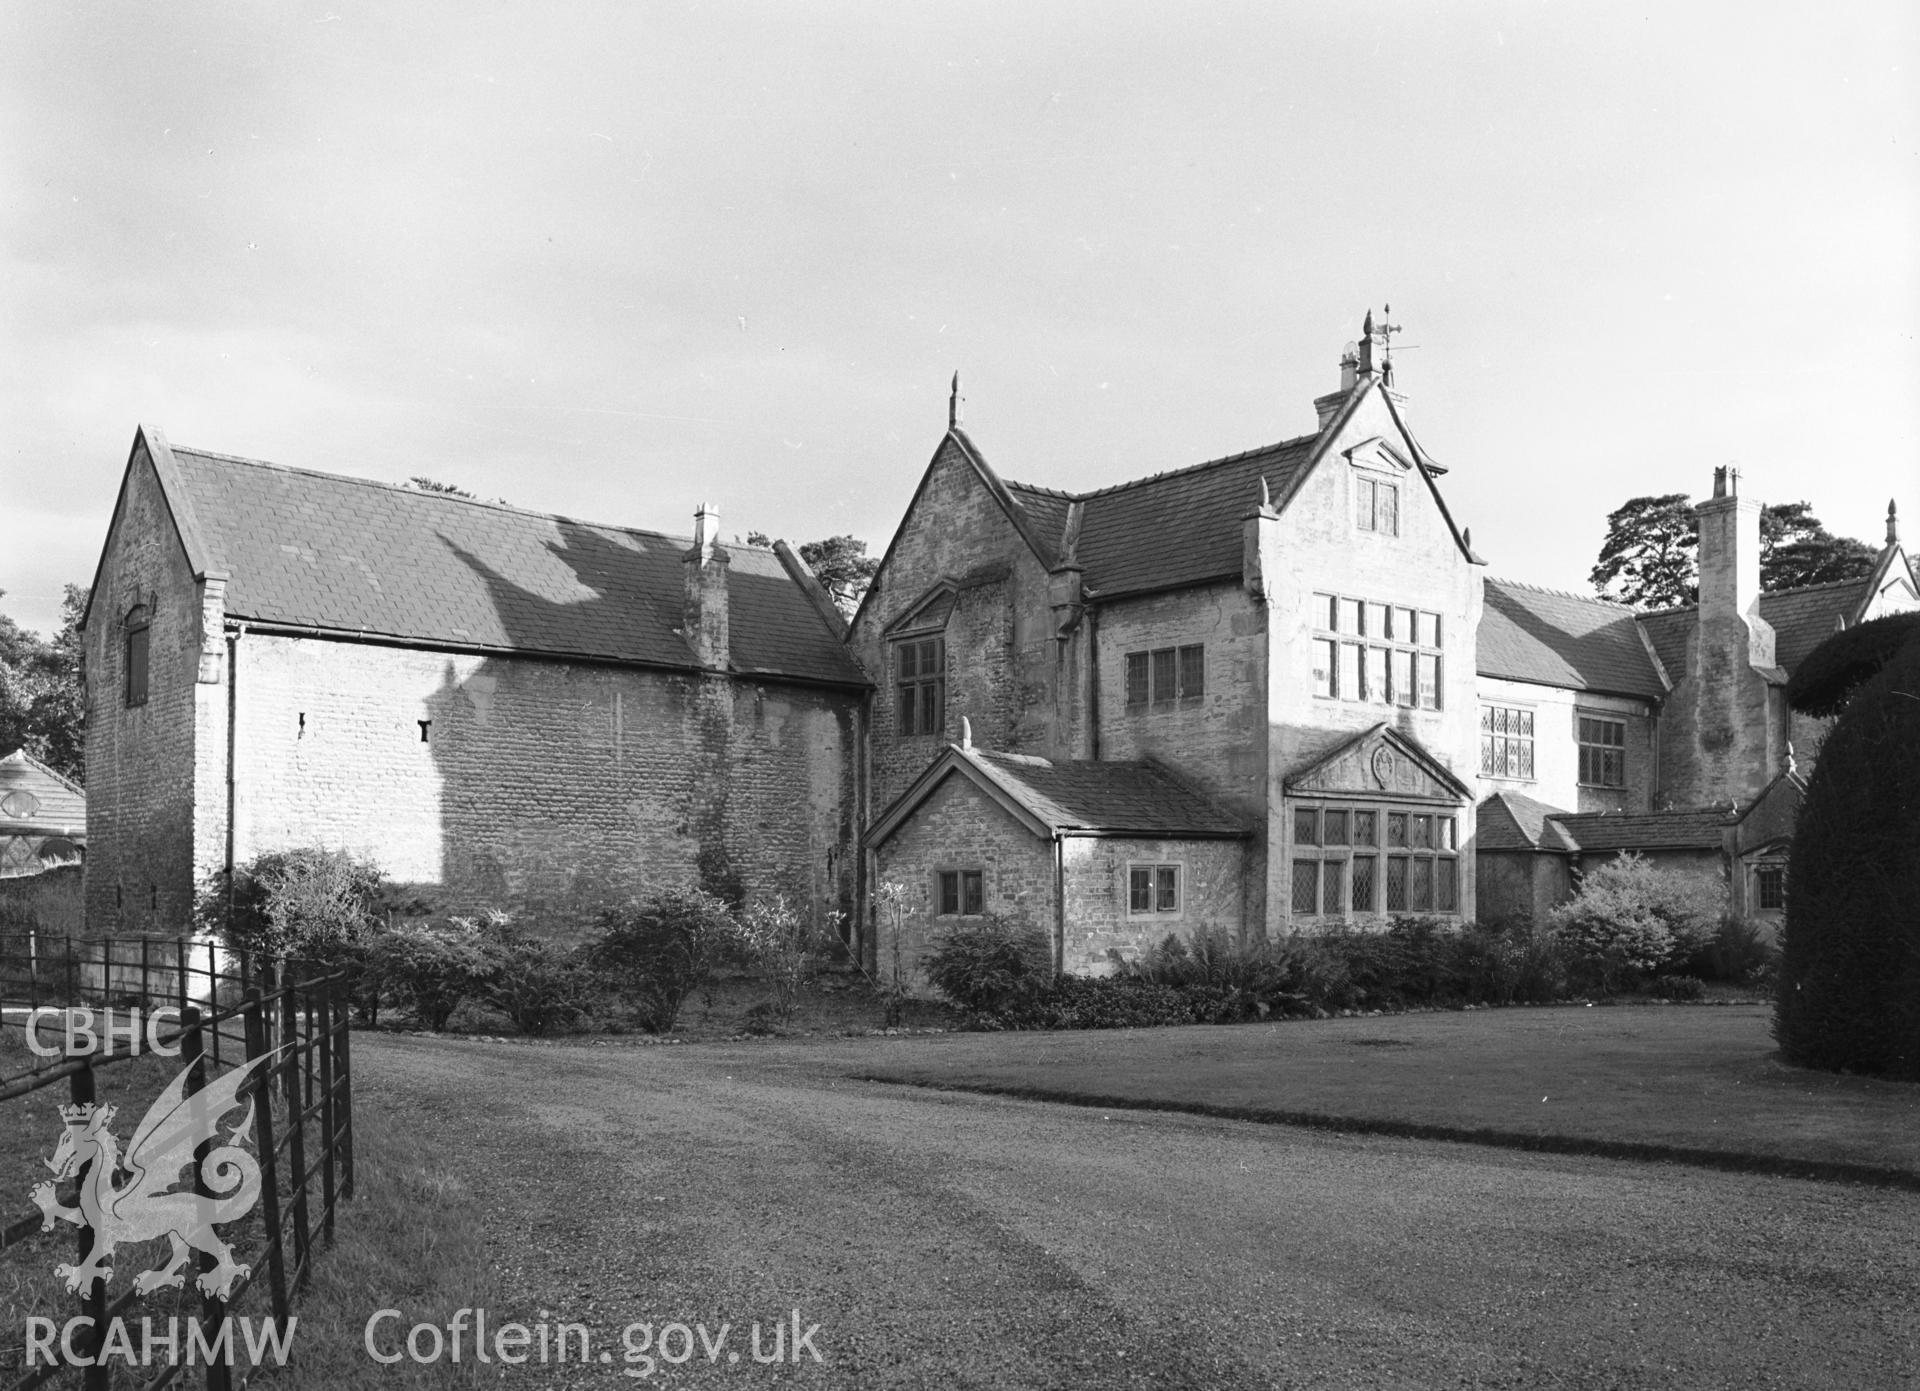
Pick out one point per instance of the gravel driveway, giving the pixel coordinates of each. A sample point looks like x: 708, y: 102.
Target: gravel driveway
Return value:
x: 945, y: 1240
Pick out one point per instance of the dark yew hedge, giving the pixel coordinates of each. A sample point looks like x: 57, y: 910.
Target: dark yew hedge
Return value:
x: 1849, y: 985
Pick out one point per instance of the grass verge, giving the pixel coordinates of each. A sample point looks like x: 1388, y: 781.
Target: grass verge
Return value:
x: 1692, y: 1085
x: 412, y: 1239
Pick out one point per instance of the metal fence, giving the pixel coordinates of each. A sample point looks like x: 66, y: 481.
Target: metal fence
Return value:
x: 288, y: 1040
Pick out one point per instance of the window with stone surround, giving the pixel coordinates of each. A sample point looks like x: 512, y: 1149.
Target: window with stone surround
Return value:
x: 1506, y: 742
x: 1770, y: 887
x: 1603, y: 752
x: 1382, y: 654
x: 1153, y: 890
x: 959, y: 892
x: 1373, y: 859
x: 920, y: 684
x: 1166, y: 675
x: 139, y: 625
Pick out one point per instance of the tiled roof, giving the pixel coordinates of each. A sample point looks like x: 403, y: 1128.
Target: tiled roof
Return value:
x: 1802, y: 619
x: 1595, y: 832
x: 322, y: 551
x: 35, y: 800
x: 1550, y: 638
x: 1515, y: 821
x: 1169, y: 530
x: 1085, y: 795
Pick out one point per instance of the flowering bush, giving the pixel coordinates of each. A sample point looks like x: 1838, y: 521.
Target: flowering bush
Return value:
x: 1629, y: 919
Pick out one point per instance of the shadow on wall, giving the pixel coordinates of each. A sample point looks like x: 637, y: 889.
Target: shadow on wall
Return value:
x: 568, y: 786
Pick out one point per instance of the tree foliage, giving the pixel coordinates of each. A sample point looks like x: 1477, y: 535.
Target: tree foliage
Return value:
x: 1796, y: 550
x: 1651, y: 555
x: 422, y: 484
x: 1849, y: 989
x: 840, y: 563
x: 43, y: 690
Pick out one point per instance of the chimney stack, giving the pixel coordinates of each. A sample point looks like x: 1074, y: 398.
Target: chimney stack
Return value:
x: 705, y: 616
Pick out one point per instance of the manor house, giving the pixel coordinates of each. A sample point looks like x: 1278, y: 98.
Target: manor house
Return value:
x: 1255, y: 694
x: 1278, y: 688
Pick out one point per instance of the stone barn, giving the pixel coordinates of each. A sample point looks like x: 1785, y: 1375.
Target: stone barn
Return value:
x: 500, y: 707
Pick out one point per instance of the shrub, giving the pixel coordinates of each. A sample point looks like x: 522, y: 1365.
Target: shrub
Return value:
x: 1849, y: 987
x: 1629, y: 919
x: 541, y: 986
x: 992, y: 965
x: 785, y: 946
x: 1740, y: 952
x: 428, y: 969
x: 1679, y: 987
x: 303, y: 903
x: 1510, y: 961
x: 656, y: 953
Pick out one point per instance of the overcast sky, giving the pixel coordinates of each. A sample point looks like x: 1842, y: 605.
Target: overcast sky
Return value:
x: 611, y: 260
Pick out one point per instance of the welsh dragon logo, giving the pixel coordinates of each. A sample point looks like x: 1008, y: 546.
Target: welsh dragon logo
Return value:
x: 142, y: 1208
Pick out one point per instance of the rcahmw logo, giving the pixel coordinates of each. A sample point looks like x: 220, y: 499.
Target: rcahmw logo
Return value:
x: 149, y: 1202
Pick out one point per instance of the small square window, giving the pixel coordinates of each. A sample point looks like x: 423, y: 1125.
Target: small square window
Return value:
x: 1365, y: 830
x: 1306, y: 825
x: 1396, y: 828
x: 1350, y: 617
x: 1193, y: 671
x: 1137, y: 685
x: 1153, y: 889
x: 961, y: 892
x: 1335, y: 824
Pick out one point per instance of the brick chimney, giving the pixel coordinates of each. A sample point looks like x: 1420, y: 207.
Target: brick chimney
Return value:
x: 706, y: 591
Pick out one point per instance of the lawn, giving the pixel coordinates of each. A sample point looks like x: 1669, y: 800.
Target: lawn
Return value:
x: 1680, y: 1082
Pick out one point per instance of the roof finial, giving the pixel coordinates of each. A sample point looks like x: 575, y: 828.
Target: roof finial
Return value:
x: 953, y: 404
x: 1266, y: 498
x: 1792, y: 768
x: 966, y: 732
x: 1893, y: 523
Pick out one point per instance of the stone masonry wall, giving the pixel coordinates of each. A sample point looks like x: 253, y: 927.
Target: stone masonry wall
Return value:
x: 1213, y: 896
x: 140, y: 759
x: 1002, y: 660
x: 959, y: 827
x: 1217, y: 740
x: 550, y: 789
x: 1321, y: 550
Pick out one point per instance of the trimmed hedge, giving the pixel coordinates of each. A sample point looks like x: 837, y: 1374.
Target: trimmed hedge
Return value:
x: 1849, y: 989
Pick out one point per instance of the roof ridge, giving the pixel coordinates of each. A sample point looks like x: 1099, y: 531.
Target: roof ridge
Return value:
x: 490, y: 505
x: 1565, y: 594
x: 1169, y: 473
x: 1764, y: 594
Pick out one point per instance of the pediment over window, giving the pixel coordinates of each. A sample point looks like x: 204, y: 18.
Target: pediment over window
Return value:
x: 926, y: 615
x: 1376, y: 453
x: 1382, y: 762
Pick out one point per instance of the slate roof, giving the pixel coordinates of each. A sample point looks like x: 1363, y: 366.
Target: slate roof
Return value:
x: 1085, y: 795
x: 1515, y: 821
x: 1595, y: 832
x: 1802, y: 619
x: 1173, y: 529
x: 1070, y: 798
x: 317, y: 550
x: 35, y: 800
x: 1550, y: 638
